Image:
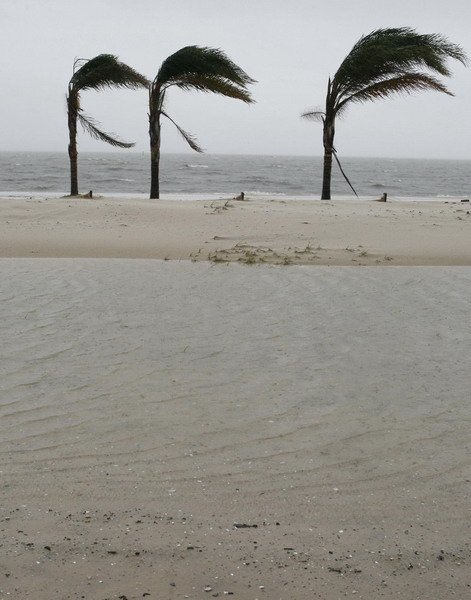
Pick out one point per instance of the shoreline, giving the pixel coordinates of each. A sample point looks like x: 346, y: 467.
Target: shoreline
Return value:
x: 275, y: 231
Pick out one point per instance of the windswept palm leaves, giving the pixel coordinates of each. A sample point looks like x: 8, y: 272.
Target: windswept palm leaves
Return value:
x: 99, y: 73
x: 383, y: 63
x: 191, y: 68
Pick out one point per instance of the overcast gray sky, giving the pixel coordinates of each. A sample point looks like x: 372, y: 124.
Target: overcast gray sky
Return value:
x: 290, y: 47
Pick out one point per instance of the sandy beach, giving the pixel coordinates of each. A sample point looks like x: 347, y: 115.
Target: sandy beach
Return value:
x: 340, y: 232
x: 175, y: 425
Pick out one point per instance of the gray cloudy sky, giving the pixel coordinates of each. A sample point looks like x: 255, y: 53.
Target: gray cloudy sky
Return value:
x: 290, y: 47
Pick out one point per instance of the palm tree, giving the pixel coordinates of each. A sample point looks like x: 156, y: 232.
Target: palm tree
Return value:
x: 191, y: 68
x: 383, y: 63
x: 103, y: 71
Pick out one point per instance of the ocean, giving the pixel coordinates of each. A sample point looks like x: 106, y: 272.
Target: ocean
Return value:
x: 193, y: 176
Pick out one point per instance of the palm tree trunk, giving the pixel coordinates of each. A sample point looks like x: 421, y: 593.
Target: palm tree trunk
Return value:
x: 329, y: 132
x: 154, y: 176
x: 73, y: 171
x: 73, y: 154
x: 327, y: 175
x: 154, y: 133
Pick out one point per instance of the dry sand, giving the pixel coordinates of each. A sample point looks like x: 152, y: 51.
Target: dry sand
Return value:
x: 175, y: 430
x: 344, y: 232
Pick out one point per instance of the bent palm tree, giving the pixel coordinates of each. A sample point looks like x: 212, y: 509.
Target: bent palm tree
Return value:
x: 383, y: 63
x: 103, y: 71
x: 191, y: 68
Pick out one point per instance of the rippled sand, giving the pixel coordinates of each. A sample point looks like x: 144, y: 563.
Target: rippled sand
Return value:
x: 261, y: 431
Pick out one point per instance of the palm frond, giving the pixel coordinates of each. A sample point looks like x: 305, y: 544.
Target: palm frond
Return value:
x: 403, y: 84
x: 386, y: 53
x: 196, y: 61
x: 90, y: 126
x: 213, y: 84
x: 334, y: 152
x: 314, y: 115
x: 188, y: 137
x: 202, y: 69
x: 106, y: 71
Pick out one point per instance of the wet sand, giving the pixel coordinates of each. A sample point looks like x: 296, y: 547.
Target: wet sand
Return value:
x: 194, y: 430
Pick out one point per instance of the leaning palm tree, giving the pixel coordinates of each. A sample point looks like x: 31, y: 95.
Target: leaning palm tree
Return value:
x: 99, y: 73
x: 383, y: 63
x: 191, y: 68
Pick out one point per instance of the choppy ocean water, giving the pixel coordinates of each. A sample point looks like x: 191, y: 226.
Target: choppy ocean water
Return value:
x: 193, y: 175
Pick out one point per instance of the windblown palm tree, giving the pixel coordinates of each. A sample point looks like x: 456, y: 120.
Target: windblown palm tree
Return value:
x: 383, y: 63
x: 191, y: 68
x: 103, y: 71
